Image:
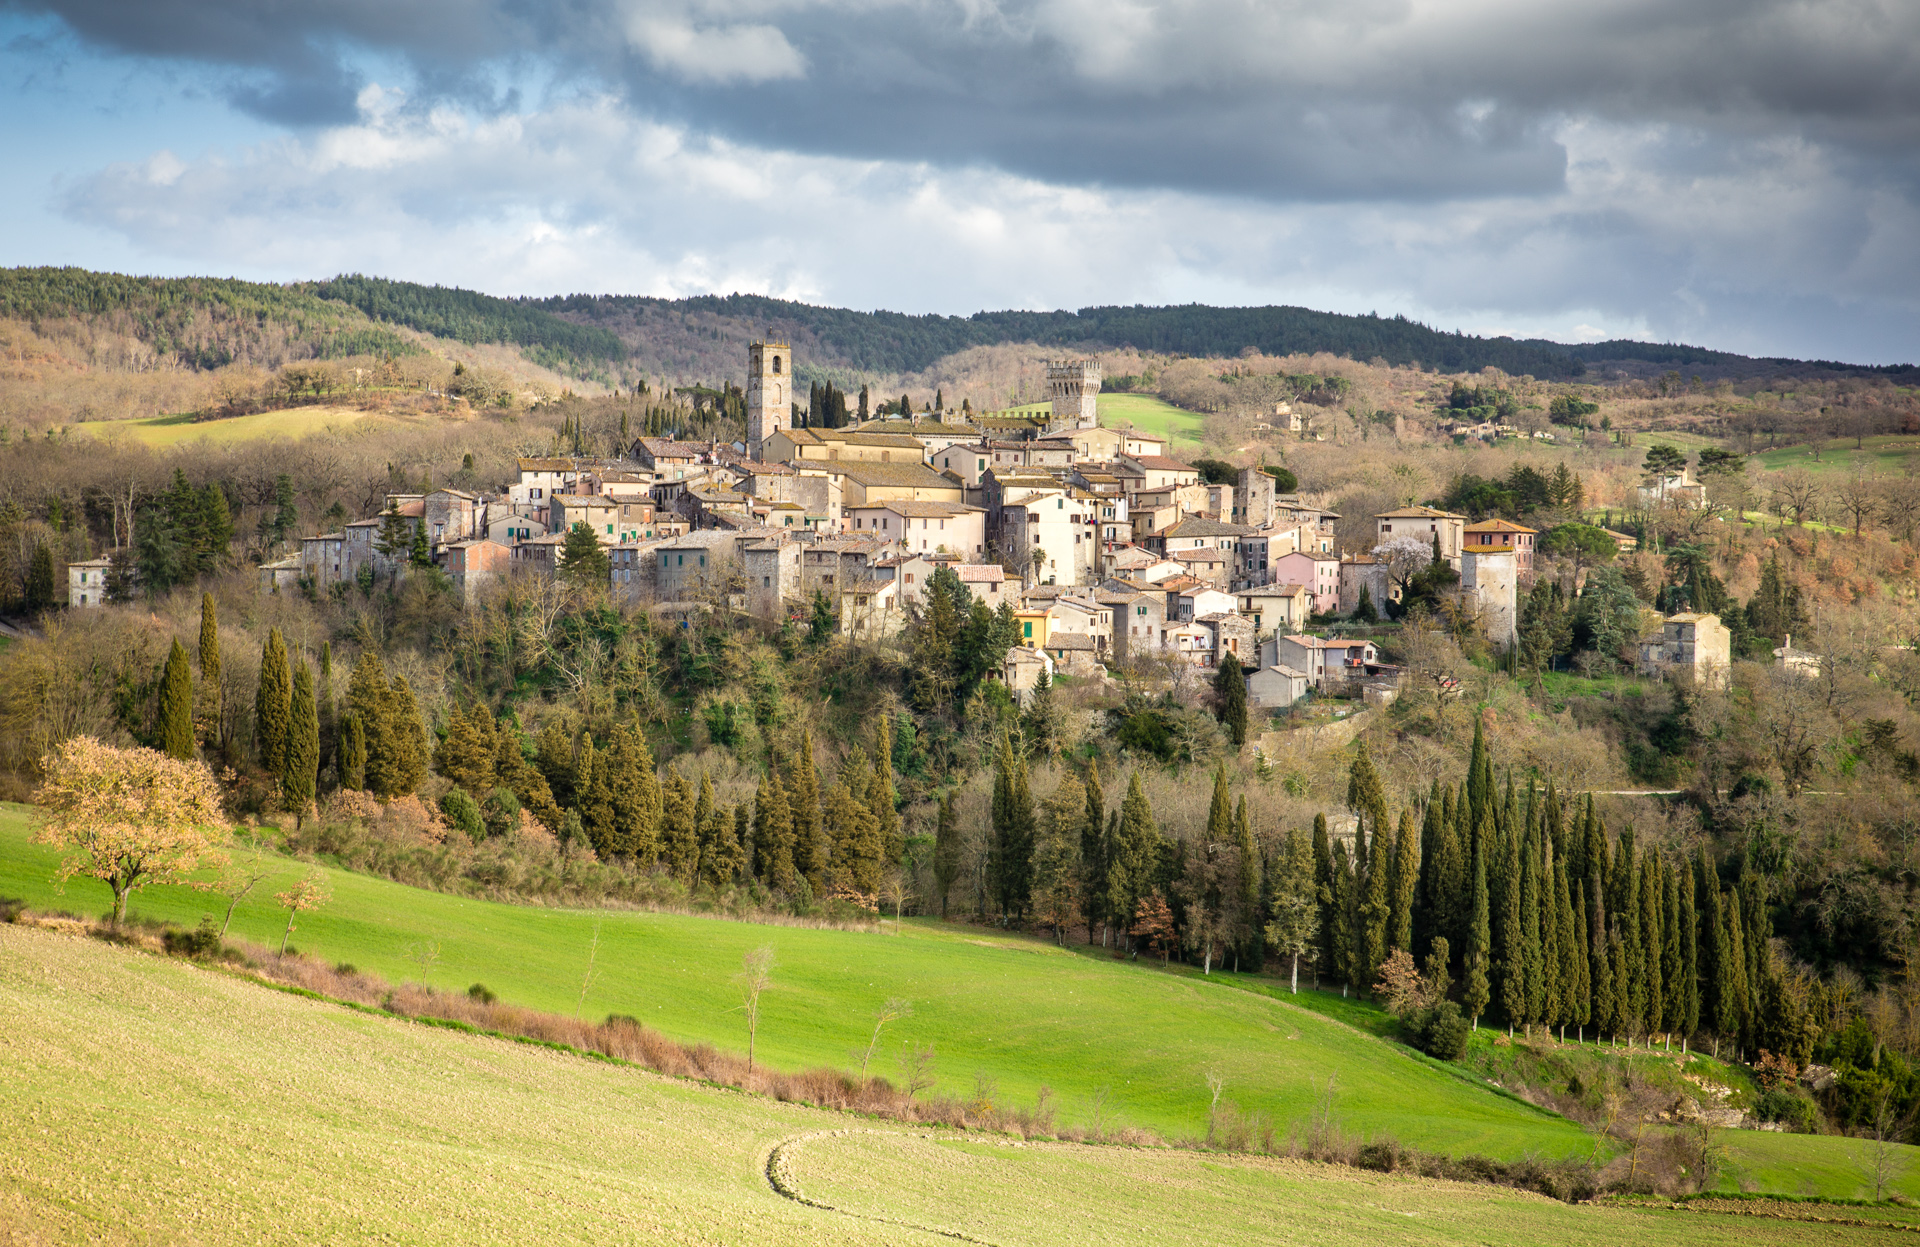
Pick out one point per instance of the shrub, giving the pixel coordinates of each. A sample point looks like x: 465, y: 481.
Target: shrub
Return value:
x: 199, y: 942
x: 1444, y: 1035
x: 482, y: 993
x: 463, y: 813
x: 1787, y: 1105
x: 501, y: 813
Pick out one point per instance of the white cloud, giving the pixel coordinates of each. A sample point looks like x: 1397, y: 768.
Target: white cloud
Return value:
x: 716, y: 55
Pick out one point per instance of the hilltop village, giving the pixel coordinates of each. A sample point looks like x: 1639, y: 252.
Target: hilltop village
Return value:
x: 1104, y: 547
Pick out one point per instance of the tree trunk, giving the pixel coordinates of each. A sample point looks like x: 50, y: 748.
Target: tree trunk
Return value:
x: 121, y: 891
x: 288, y: 933
x: 1206, y: 962
x: 1296, y: 974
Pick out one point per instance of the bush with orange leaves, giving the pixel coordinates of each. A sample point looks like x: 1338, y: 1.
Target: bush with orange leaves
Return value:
x: 129, y: 817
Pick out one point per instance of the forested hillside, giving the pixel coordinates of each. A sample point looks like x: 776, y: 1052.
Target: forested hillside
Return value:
x: 471, y: 317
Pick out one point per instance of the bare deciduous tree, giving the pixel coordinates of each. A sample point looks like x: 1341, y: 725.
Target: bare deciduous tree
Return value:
x: 755, y: 977
x: 894, y: 1010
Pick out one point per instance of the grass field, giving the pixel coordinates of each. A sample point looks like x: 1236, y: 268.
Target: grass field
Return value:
x: 1889, y: 454
x: 1021, y: 1012
x: 173, y: 430
x: 1144, y: 412
x: 148, y: 1100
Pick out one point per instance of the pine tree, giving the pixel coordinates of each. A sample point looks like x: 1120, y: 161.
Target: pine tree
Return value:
x: 300, y: 775
x: 881, y: 797
x: 173, y: 728
x: 272, y: 704
x: 394, y: 539
x: 582, y: 561
x: 353, y: 752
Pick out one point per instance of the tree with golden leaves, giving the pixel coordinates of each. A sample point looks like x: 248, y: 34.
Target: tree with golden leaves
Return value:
x: 129, y: 817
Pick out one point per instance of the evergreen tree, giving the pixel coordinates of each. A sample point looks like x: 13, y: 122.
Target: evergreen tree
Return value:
x: 556, y: 763
x: 513, y: 772
x: 465, y: 756
x: 420, y: 553
x: 394, y: 538
x: 636, y: 795
x: 1294, y: 927
x: 594, y: 794
x: 855, y: 836
x: 1688, y: 924
x: 1406, y: 883
x: 329, y: 719
x: 1630, y: 971
x: 1673, y: 1007
x: 209, y: 642
x: 1343, y: 933
x: 1569, y: 959
x: 1249, y: 912
x: 803, y: 798
x: 1364, y: 611
x: 679, y: 826
x: 582, y: 562
x: 272, y: 704
x: 1326, y: 921
x: 408, y: 733
x: 1450, y: 889
x: 1478, y: 991
x: 1652, y: 942
x: 1376, y: 904
x: 1775, y: 610
x: 286, y: 516
x: 946, y: 850
x: 1513, y: 956
x: 353, y: 752
x: 1732, y: 1021
x: 173, y: 728
x: 1093, y: 850
x: 1010, y: 853
x: 881, y: 797
x: 300, y: 775
x: 1583, y: 1002
x: 773, y: 835
x: 1754, y: 940
x: 1230, y: 699
x: 40, y: 578
x: 1133, y: 854
x: 1367, y: 799
x: 1605, y: 1003
x: 1619, y: 962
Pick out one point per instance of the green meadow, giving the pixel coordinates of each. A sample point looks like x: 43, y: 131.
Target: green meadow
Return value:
x: 1890, y: 454
x: 144, y: 1099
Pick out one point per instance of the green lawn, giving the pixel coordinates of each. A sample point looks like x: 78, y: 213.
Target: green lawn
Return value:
x: 1021, y: 1011
x: 145, y: 1100
x: 172, y: 430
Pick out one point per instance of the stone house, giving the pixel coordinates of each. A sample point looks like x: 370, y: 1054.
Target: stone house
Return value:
x: 1689, y: 647
x: 87, y: 582
x: 1276, y: 687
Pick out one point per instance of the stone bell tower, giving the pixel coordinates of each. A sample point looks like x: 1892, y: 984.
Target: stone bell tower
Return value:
x: 769, y: 394
x: 1074, y: 387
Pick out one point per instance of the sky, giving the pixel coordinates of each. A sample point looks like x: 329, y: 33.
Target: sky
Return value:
x: 1741, y: 174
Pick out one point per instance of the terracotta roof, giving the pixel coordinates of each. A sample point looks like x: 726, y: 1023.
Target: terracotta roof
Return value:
x: 1160, y: 463
x: 1417, y: 513
x: 1499, y: 526
x: 980, y: 573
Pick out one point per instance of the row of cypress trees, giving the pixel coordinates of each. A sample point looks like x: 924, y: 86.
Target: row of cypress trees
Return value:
x: 1545, y: 919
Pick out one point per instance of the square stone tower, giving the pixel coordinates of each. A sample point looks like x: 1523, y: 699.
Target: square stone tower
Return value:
x: 1074, y: 385
x: 769, y: 394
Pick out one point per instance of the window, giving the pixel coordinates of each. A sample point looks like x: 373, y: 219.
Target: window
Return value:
x: 766, y: 582
x: 1026, y: 630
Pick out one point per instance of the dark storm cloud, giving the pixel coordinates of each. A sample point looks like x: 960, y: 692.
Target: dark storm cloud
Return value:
x: 1369, y: 99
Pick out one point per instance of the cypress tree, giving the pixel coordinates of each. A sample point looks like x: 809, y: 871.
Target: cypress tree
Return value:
x: 1450, y: 898
x: 1250, y: 909
x: 679, y: 826
x: 855, y: 835
x: 1619, y: 961
x: 513, y: 772
x: 1376, y: 907
x: 773, y: 838
x: 594, y: 774
x: 1323, y: 897
x: 946, y: 853
x: 557, y: 764
x: 1478, y: 991
x: 1133, y: 853
x: 353, y: 752
x: 1093, y: 850
x: 1753, y: 939
x: 174, y: 726
x: 1010, y: 854
x: 1630, y: 972
x: 1673, y: 1010
x: 1605, y: 1006
x: 1368, y: 801
x: 466, y: 755
x: 367, y: 699
x: 1689, y: 925
x: 1512, y: 964
x: 1734, y: 1012
x: 209, y: 641
x: 40, y: 578
x: 1345, y: 955
x: 1406, y: 882
x: 1423, y: 910
x: 881, y: 795
x: 323, y: 693
x: 1569, y: 959
x: 1479, y: 769
x: 1652, y: 942
x: 409, y: 738
x: 272, y: 704
x: 803, y: 798
x: 300, y: 775
x: 1714, y: 985
x: 1583, y: 962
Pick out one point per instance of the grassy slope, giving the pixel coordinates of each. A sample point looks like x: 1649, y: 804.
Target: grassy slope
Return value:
x: 1024, y: 1013
x: 143, y: 1099
x: 1144, y: 412
x: 1880, y: 454
x: 174, y: 430
x: 1021, y: 1012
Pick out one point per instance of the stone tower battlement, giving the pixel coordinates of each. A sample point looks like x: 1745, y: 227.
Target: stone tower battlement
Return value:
x: 769, y: 394
x: 1074, y: 387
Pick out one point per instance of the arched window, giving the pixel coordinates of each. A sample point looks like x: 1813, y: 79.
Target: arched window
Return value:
x: 776, y: 365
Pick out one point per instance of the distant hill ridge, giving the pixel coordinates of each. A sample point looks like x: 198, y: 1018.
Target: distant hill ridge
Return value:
x: 206, y: 322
